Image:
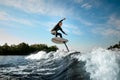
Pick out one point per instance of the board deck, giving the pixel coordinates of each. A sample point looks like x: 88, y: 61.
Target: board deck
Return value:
x: 59, y: 40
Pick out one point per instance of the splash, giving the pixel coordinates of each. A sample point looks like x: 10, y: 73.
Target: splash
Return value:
x: 39, y: 55
x: 99, y: 64
x: 102, y: 64
x: 44, y: 55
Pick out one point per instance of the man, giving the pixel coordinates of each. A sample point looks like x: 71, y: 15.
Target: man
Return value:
x: 55, y: 30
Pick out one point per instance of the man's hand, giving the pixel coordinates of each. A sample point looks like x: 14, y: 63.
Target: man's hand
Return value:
x: 65, y: 34
x: 64, y: 18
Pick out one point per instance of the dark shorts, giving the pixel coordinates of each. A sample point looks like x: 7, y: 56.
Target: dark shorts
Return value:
x: 53, y: 32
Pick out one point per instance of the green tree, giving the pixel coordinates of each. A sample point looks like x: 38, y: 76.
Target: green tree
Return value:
x: 5, y: 48
x: 23, y: 48
x: 52, y: 48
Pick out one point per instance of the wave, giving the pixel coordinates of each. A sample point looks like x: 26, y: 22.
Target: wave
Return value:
x: 102, y: 64
x: 99, y: 64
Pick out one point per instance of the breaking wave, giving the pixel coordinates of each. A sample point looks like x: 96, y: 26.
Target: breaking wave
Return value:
x: 99, y: 64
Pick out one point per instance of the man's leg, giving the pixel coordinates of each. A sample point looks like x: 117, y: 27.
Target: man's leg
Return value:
x: 59, y: 34
x: 56, y: 34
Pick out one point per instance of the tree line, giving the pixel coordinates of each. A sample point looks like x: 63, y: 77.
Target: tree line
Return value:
x: 24, y: 49
x: 116, y: 46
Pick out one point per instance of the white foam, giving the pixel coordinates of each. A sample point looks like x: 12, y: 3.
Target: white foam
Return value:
x: 102, y: 64
x: 44, y: 55
x: 39, y: 55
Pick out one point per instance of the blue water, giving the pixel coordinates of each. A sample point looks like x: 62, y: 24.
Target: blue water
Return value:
x: 99, y: 64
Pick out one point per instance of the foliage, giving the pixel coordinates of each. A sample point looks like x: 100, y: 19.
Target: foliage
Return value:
x: 117, y: 46
x: 24, y: 49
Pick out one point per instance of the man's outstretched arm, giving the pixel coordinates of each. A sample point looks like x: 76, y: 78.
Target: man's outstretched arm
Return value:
x: 62, y: 20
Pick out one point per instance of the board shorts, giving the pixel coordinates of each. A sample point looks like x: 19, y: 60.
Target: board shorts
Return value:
x: 53, y: 32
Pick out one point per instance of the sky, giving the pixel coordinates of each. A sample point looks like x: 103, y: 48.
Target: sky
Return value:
x: 89, y: 23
